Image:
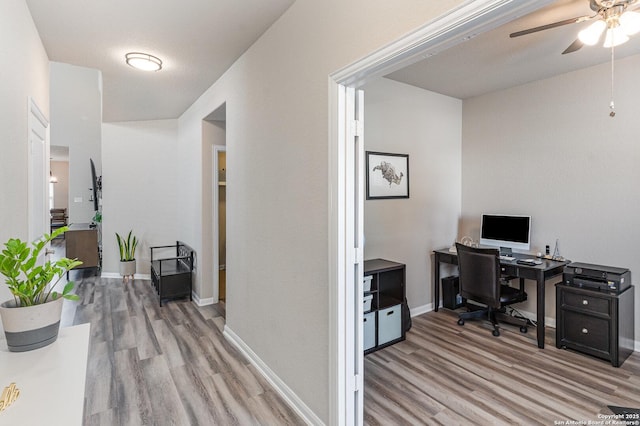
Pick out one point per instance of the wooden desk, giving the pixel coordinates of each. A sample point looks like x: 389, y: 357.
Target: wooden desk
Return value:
x: 51, y: 380
x: 81, y: 242
x: 538, y: 273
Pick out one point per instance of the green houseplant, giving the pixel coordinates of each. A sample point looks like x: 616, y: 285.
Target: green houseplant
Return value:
x: 32, y: 318
x: 127, y: 249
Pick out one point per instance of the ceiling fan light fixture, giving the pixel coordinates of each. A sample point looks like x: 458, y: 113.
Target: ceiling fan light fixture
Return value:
x: 615, y: 36
x: 591, y: 35
x: 143, y: 61
x: 630, y: 22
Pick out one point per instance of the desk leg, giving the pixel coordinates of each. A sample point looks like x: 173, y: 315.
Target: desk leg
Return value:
x: 436, y: 281
x: 540, y: 314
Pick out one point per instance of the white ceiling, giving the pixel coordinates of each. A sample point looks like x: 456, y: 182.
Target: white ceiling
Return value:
x: 494, y: 61
x: 198, y: 40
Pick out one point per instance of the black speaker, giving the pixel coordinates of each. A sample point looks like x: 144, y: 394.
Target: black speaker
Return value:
x: 451, y: 298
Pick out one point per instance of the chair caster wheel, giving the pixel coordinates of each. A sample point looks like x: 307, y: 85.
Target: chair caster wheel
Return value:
x: 460, y: 321
x: 523, y: 329
x: 495, y: 333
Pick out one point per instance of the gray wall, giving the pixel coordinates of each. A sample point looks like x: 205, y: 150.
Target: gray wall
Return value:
x: 141, y: 188
x: 403, y: 119
x: 25, y: 73
x: 76, y: 122
x: 550, y: 149
x: 277, y: 102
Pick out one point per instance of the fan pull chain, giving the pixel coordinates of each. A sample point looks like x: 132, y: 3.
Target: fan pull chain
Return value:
x: 612, y: 106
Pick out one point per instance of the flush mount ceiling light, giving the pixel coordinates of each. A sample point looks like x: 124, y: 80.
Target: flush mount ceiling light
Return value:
x: 143, y: 61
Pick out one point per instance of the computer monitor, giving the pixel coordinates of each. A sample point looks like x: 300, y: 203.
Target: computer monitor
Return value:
x: 499, y: 230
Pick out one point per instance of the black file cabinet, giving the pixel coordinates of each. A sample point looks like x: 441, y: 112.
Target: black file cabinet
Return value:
x: 596, y: 323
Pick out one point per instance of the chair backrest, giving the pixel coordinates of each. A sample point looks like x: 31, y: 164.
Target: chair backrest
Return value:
x: 184, y: 251
x: 479, y: 270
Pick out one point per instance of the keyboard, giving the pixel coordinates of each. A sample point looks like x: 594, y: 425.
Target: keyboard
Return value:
x: 530, y: 262
x: 503, y: 257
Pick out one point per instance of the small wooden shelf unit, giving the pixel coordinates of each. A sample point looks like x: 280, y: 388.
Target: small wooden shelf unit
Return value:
x: 383, y: 322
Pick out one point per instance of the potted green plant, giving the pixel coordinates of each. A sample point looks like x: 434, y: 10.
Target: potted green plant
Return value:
x: 127, y: 254
x: 31, y: 319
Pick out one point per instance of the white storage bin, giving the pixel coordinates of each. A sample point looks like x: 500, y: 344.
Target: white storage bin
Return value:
x: 366, y: 283
x: 389, y: 324
x: 369, y: 328
x: 367, y: 302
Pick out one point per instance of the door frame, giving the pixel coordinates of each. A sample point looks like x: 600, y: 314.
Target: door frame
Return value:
x: 216, y: 218
x: 37, y: 119
x: 464, y: 22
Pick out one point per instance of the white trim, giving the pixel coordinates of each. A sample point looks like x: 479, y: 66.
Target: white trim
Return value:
x: 337, y: 256
x: 202, y: 302
x: 422, y: 309
x: 468, y: 20
x: 196, y: 298
x: 34, y: 114
x: 278, y: 384
x: 548, y: 321
x: 118, y: 276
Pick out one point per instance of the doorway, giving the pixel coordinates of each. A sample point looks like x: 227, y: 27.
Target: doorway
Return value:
x: 220, y: 170
x: 215, y: 134
x: 59, y: 180
x: 468, y: 20
x: 38, y: 172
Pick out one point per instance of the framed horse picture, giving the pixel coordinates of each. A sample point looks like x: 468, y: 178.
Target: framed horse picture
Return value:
x: 387, y: 175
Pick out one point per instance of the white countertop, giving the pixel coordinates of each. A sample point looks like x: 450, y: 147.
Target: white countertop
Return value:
x: 51, y: 380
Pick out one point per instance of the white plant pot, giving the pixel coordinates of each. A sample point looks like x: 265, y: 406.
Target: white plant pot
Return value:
x: 128, y: 268
x: 31, y: 327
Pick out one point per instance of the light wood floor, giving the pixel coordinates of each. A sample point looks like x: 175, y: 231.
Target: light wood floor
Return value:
x: 165, y: 366
x: 171, y: 365
x: 447, y: 374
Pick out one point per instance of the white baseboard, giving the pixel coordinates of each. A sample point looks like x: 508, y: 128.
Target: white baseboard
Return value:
x: 118, y: 276
x: 279, y: 386
x: 201, y: 302
x: 422, y: 309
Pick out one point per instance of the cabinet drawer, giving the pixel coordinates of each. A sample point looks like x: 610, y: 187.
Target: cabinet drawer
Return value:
x: 389, y: 324
x: 369, y: 330
x: 588, y: 331
x: 586, y: 302
x: 509, y: 270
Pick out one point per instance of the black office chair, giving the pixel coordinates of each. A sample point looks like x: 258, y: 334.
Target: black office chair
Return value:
x: 480, y: 281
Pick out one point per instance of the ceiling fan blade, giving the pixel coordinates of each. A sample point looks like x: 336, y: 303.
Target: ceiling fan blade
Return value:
x: 552, y: 25
x: 576, y: 45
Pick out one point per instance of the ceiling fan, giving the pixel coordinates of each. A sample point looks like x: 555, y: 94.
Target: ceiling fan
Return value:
x: 611, y: 15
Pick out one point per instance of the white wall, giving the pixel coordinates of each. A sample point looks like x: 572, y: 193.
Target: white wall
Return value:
x: 25, y: 73
x: 403, y: 119
x: 76, y: 120
x: 141, y: 187
x: 277, y: 102
x: 551, y: 150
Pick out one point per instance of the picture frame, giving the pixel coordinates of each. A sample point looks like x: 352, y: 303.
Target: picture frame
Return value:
x: 387, y: 175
